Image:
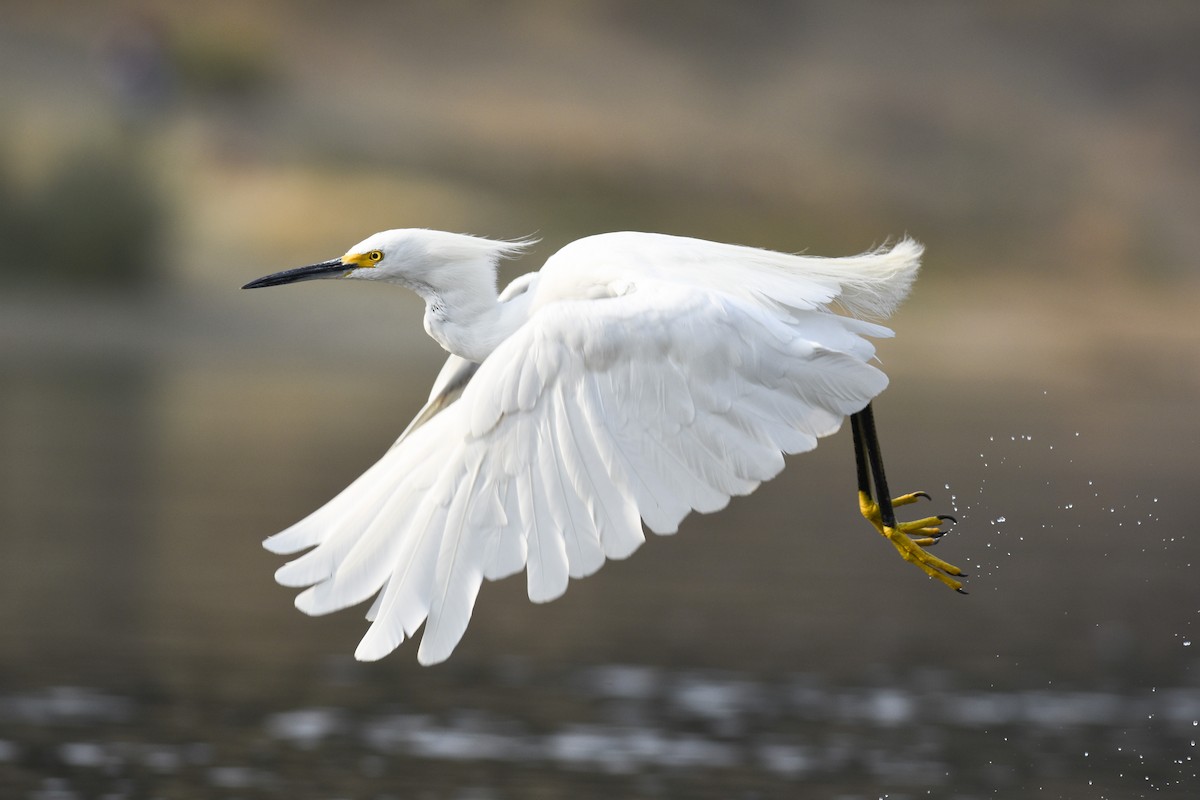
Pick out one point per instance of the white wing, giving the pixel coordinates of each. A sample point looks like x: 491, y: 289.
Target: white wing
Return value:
x: 593, y: 416
x: 457, y: 372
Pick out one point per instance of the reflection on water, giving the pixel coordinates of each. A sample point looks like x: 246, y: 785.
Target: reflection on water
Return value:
x: 639, y: 731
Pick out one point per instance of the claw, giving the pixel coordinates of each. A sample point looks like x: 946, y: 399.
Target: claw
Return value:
x: 911, y: 538
x: 930, y: 564
x: 911, y: 497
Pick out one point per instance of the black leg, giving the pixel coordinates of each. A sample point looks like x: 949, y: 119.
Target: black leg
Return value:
x: 871, y: 439
x: 910, y: 537
x: 860, y: 456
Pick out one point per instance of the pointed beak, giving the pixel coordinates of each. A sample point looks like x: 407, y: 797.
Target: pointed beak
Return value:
x: 326, y: 269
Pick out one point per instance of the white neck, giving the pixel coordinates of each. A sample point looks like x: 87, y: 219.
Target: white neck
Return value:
x: 463, y: 314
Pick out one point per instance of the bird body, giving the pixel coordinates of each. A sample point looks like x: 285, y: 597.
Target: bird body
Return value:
x: 636, y: 377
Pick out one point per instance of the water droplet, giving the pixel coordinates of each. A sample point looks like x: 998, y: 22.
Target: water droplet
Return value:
x: 1001, y: 519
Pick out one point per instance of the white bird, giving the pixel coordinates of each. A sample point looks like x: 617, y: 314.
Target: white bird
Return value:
x: 635, y: 378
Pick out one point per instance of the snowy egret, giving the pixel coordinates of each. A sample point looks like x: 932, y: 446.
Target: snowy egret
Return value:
x: 636, y: 377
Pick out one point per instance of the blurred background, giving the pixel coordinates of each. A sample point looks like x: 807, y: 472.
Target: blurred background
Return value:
x: 156, y: 423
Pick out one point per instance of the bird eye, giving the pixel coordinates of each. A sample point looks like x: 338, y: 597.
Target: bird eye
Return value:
x: 375, y: 256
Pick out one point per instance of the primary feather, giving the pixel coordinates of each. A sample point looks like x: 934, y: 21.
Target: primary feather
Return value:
x: 634, y: 379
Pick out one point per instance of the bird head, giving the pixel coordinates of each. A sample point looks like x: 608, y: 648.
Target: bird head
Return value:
x: 412, y: 257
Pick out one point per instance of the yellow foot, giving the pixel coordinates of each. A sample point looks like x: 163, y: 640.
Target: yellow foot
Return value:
x: 910, y: 538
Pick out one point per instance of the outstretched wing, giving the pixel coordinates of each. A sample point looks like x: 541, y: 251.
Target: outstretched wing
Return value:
x: 595, y: 416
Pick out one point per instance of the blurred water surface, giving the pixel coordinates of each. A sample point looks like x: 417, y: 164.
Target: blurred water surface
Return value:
x: 773, y: 645
x: 156, y: 423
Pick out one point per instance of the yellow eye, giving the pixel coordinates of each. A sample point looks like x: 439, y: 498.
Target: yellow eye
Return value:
x: 375, y: 256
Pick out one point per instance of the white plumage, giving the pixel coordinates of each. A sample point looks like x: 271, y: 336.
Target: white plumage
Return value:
x: 635, y: 378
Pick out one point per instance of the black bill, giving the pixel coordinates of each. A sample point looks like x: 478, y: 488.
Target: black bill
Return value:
x: 326, y: 269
